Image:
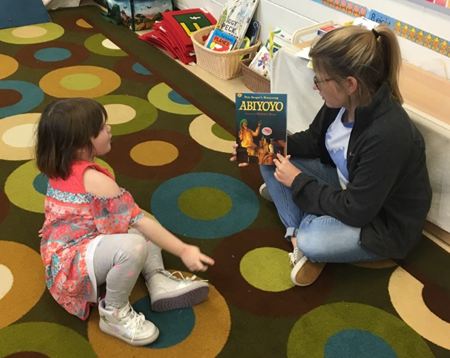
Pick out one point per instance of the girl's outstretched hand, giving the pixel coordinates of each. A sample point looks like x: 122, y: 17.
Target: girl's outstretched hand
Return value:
x: 233, y: 158
x: 194, y: 259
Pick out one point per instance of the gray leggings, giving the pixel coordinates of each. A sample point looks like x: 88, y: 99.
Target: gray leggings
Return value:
x: 118, y: 261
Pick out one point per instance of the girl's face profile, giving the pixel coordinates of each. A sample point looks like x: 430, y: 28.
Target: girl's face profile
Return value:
x: 102, y: 143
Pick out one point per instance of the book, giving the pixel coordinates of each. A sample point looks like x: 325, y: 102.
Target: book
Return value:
x: 261, y: 63
x: 261, y: 127
x: 236, y: 17
x: 325, y: 29
x: 220, y: 41
x: 253, y: 32
x: 136, y: 14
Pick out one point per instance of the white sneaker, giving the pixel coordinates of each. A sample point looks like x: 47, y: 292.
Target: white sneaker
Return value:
x: 265, y: 192
x: 295, y: 256
x: 306, y: 272
x: 168, y: 292
x: 127, y: 325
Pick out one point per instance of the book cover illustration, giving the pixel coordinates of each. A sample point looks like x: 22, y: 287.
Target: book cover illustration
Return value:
x: 261, y: 127
x: 139, y: 14
x: 235, y: 18
x: 220, y: 41
x: 262, y: 62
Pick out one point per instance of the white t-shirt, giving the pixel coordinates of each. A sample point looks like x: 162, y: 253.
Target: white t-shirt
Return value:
x: 336, y: 142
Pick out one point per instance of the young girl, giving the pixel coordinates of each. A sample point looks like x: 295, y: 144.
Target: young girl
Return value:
x: 355, y: 185
x: 86, y: 240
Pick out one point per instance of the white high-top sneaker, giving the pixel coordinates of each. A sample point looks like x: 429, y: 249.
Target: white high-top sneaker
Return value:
x: 168, y: 292
x: 126, y: 324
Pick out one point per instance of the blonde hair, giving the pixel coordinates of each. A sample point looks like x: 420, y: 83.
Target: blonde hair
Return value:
x: 371, y: 57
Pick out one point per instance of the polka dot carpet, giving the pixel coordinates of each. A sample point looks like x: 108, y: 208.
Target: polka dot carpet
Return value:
x: 172, y: 135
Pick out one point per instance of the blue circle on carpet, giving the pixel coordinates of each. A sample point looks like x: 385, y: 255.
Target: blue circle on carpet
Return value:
x: 244, y: 210
x: 175, y: 97
x: 138, y: 68
x: 40, y: 183
x: 32, y: 96
x: 356, y: 343
x: 52, y: 54
x: 174, y: 326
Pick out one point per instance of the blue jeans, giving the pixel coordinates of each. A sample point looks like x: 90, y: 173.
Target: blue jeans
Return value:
x: 320, y: 238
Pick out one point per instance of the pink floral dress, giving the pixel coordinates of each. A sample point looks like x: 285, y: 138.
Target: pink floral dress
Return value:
x: 73, y: 218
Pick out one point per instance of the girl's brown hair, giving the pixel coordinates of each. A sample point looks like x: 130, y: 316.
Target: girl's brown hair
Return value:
x: 372, y: 57
x: 65, y: 126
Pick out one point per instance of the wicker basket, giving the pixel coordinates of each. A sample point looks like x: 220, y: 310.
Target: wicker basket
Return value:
x: 253, y: 80
x: 225, y: 65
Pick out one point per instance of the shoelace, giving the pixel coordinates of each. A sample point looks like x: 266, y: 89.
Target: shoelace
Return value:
x: 172, y: 276
x: 293, y: 256
x: 132, y: 320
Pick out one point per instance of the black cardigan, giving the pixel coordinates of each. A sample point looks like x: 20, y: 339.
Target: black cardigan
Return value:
x: 389, y: 193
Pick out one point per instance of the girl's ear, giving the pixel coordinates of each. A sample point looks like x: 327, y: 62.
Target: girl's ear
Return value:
x: 352, y: 85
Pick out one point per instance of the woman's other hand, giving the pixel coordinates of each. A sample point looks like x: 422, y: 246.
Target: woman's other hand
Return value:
x: 234, y: 158
x: 285, y: 171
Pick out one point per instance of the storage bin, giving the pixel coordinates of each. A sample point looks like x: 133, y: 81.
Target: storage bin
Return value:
x: 225, y: 65
x: 253, y: 80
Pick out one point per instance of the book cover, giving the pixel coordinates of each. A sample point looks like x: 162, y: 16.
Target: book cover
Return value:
x: 235, y: 18
x: 182, y: 23
x: 220, y: 41
x: 261, y: 127
x: 262, y: 62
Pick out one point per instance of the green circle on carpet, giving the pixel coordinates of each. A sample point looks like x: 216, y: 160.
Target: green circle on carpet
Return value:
x: 315, y: 329
x: 80, y: 82
x: 221, y: 133
x: 51, y: 339
x: 96, y: 44
x: 160, y: 97
x: 31, y: 34
x: 275, y: 265
x: 128, y: 114
x: 205, y: 203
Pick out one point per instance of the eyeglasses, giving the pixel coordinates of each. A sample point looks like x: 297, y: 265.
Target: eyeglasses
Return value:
x: 316, y: 81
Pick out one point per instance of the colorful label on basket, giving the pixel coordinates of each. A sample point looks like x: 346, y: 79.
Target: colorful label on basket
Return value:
x: 220, y: 41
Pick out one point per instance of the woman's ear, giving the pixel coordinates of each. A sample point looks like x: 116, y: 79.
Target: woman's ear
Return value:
x: 352, y: 85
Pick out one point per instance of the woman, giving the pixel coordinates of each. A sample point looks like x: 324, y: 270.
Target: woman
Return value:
x: 355, y: 185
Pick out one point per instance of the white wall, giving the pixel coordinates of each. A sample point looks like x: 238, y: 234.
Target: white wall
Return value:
x: 291, y: 15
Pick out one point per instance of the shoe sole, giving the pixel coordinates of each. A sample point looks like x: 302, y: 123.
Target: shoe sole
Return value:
x: 261, y: 192
x: 184, y: 298
x: 105, y: 328
x: 306, y: 272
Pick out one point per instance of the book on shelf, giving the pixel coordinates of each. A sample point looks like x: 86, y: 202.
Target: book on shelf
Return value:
x: 173, y: 32
x: 261, y: 127
x: 220, y: 41
x: 262, y: 62
x: 235, y: 18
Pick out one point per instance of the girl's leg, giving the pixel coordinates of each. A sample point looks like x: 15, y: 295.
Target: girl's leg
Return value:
x: 118, y: 261
x: 169, y: 291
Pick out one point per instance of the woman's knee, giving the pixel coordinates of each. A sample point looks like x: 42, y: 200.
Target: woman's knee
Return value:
x: 312, y: 249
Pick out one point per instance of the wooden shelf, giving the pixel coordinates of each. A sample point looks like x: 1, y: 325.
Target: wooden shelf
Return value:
x: 425, y: 92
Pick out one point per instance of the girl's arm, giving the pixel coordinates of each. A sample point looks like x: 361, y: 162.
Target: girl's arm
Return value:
x: 189, y: 254
x: 101, y: 185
